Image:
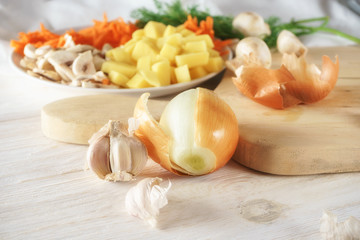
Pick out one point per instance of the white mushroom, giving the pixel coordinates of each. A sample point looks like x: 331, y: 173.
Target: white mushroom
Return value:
x: 251, y: 25
x: 288, y: 43
x: 98, y: 61
x: 49, y: 74
x: 28, y: 63
x: 61, y: 60
x: 42, y: 51
x: 253, y: 50
x: 80, y: 48
x: 83, y: 64
x: 29, y: 51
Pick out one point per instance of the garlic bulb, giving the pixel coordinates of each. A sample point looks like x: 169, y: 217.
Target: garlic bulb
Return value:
x: 197, y: 132
x: 251, y: 24
x: 146, y: 199
x: 288, y: 43
x: 114, y: 154
x: 331, y: 229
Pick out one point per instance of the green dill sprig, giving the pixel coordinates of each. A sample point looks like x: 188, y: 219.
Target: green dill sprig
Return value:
x: 175, y: 14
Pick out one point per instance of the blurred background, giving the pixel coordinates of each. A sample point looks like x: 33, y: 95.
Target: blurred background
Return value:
x: 23, y: 15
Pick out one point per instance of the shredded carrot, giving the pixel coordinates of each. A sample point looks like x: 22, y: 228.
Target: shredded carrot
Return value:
x: 115, y: 33
x: 206, y: 27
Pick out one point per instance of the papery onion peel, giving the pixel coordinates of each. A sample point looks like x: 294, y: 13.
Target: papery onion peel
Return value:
x: 294, y: 82
x: 197, y: 132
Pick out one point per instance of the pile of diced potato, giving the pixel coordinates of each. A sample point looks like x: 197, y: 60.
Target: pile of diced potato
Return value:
x: 160, y: 55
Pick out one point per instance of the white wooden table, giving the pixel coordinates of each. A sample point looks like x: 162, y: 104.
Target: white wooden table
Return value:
x: 45, y: 193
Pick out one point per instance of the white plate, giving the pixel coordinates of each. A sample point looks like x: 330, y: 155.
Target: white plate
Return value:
x: 154, y: 91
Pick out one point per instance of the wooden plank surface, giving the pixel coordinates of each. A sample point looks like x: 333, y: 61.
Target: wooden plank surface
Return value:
x: 304, y: 139
x: 46, y: 194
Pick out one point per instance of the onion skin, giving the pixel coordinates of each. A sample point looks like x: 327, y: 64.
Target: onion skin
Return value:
x: 216, y: 128
x: 293, y: 83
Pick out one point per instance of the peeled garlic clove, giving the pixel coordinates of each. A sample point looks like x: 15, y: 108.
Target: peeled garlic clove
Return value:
x: 288, y: 43
x: 146, y: 199
x: 251, y: 24
x: 253, y: 51
x: 114, y: 155
x: 197, y: 133
x: 330, y: 228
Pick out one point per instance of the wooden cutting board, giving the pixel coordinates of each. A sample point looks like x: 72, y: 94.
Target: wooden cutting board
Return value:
x: 306, y: 139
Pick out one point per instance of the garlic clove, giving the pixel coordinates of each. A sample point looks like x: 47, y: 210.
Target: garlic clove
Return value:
x: 253, y: 51
x: 114, y: 155
x: 189, y: 139
x: 146, y: 199
x: 251, y: 24
x: 288, y: 43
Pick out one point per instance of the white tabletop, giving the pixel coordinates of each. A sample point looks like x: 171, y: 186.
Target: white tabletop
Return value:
x: 45, y: 193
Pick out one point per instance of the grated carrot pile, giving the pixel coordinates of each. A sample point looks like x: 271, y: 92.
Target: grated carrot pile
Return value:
x: 115, y: 33
x: 206, y: 27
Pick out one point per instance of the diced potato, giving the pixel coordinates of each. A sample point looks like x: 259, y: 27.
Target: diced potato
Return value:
x: 143, y: 48
x: 150, y: 77
x: 174, y: 39
x: 173, y: 79
x: 205, y: 37
x: 160, y: 42
x: 129, y: 47
x: 192, y: 59
x: 215, y: 64
x: 154, y: 29
x: 213, y: 53
x: 138, y: 34
x: 124, y: 68
x: 162, y: 70
x: 137, y: 81
x: 169, y: 51
x: 159, y: 58
x: 186, y: 32
x: 144, y: 63
x: 197, y: 72
x: 180, y: 28
x: 119, y: 54
x: 169, y: 30
x: 196, y: 46
x: 118, y: 78
x: 182, y: 74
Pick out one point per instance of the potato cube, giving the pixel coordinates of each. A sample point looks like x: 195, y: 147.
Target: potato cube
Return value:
x: 186, y: 32
x: 138, y: 34
x: 150, y: 77
x: 119, y: 55
x: 160, y: 42
x: 174, y: 39
x: 182, y: 74
x: 169, y: 30
x: 205, y: 37
x: 162, y: 70
x: 215, y: 64
x: 197, y: 72
x: 213, y: 53
x: 173, y: 79
x: 118, y: 78
x: 129, y: 47
x: 154, y: 29
x: 169, y: 51
x: 124, y: 68
x: 196, y: 46
x: 137, y: 81
x: 180, y: 28
x: 143, y: 48
x: 192, y: 59
x: 144, y: 63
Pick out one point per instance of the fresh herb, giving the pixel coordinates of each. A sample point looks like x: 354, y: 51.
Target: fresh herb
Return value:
x: 300, y: 28
x: 175, y: 14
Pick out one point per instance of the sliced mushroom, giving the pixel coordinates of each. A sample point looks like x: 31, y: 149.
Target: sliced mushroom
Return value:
x: 98, y: 61
x: 83, y: 64
x: 80, y: 48
x: 62, y: 60
x: 49, y: 74
x: 42, y: 51
x: 28, y: 63
x: 69, y: 42
x: 43, y: 63
x: 29, y: 51
x: 106, y: 47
